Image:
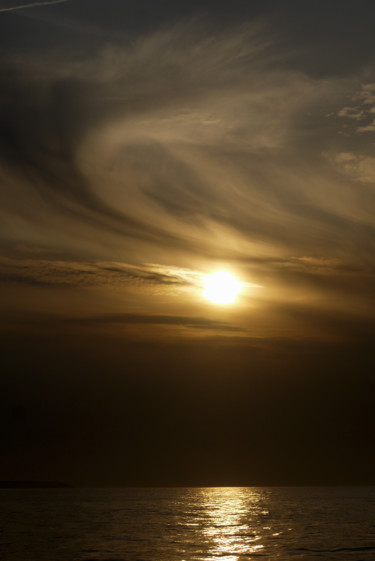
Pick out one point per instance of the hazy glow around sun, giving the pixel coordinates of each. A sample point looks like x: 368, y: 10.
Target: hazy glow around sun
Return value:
x: 221, y: 288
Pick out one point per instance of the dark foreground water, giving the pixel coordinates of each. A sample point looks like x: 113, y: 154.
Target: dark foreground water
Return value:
x: 227, y: 524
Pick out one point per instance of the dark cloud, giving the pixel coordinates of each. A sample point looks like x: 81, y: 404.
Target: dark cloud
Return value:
x: 37, y: 321
x: 191, y: 322
x: 57, y: 273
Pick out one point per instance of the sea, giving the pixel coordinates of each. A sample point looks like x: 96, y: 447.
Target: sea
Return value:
x: 185, y: 524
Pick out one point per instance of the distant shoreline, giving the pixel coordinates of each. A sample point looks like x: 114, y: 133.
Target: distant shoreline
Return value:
x: 34, y: 485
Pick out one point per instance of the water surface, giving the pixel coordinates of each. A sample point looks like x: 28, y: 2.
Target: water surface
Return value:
x: 227, y: 524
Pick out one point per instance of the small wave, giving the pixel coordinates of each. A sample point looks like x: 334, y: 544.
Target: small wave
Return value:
x: 337, y: 549
x: 100, y: 558
x: 227, y: 554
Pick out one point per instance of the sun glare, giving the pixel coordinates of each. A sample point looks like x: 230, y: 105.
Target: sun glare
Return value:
x: 221, y: 288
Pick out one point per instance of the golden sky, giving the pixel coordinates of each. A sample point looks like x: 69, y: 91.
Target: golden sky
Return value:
x: 138, y: 158
x: 129, y: 175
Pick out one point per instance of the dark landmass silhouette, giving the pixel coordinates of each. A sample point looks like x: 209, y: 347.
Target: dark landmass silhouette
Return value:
x: 33, y: 485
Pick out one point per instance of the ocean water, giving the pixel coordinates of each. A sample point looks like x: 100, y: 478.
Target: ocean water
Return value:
x: 170, y: 524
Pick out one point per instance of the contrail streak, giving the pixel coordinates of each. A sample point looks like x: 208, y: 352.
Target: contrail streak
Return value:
x: 33, y: 5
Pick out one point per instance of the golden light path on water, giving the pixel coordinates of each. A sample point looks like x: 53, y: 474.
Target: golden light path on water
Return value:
x: 228, y: 514
x: 191, y: 524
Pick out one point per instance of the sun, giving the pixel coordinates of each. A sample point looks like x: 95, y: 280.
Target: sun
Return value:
x: 221, y: 288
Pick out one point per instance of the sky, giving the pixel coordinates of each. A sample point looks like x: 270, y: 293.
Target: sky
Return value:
x: 143, y: 146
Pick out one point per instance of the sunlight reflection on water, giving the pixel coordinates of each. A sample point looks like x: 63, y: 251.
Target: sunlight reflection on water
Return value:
x: 228, y: 512
x: 190, y: 524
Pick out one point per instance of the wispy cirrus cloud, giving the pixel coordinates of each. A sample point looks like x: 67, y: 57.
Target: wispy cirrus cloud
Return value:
x: 186, y: 147
x: 43, y: 272
x: 31, y: 5
x: 57, y: 273
x: 182, y: 128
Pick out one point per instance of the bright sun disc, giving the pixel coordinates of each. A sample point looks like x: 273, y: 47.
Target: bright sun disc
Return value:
x: 221, y: 288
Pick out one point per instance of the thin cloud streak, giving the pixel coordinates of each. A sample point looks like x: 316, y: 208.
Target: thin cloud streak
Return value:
x: 143, y: 319
x: 55, y: 273
x: 33, y: 5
